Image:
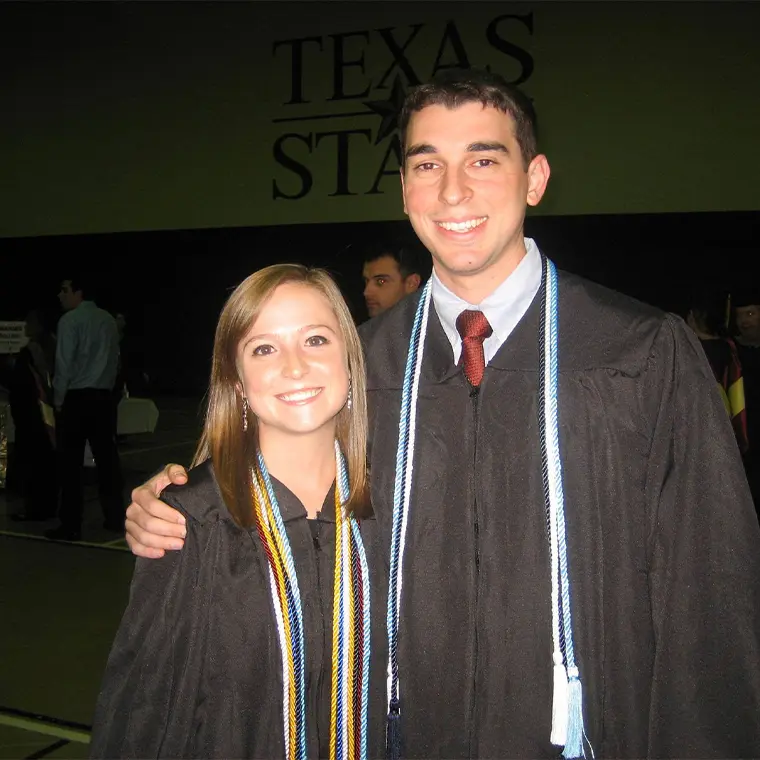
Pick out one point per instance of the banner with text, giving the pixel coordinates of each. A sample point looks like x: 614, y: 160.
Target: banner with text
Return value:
x: 139, y: 116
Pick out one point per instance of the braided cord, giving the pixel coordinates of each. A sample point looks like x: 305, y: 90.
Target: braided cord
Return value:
x: 546, y: 413
x: 557, y: 468
x: 351, y: 640
x: 399, y: 492
x: 337, y: 642
x: 567, y: 725
x: 401, y: 496
x: 277, y: 589
x: 295, y: 610
x: 266, y: 525
x: 567, y: 717
x: 363, y: 617
x: 358, y: 654
x: 350, y: 655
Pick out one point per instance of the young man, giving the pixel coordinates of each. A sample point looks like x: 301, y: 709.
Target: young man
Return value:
x: 747, y: 312
x: 577, y: 566
x: 86, y: 363
x: 390, y: 273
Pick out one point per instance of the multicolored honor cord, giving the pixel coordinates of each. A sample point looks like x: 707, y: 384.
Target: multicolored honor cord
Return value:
x: 351, y: 621
x: 567, y: 713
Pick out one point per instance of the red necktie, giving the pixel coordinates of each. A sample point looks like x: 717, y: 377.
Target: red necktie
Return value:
x: 474, y: 329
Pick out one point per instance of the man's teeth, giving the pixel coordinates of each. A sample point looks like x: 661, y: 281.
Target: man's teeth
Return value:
x: 300, y: 395
x: 470, y: 224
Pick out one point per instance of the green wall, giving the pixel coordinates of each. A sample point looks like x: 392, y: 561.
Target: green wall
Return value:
x: 149, y: 116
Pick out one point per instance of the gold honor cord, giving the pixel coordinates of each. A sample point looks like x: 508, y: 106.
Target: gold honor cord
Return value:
x: 350, y: 622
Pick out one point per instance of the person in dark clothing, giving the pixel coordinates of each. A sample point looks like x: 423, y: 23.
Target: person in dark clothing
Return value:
x: 31, y: 402
x: 391, y: 272
x: 131, y: 379
x: 570, y: 545
x: 86, y: 364
x: 747, y: 315
x: 708, y: 319
x: 201, y: 665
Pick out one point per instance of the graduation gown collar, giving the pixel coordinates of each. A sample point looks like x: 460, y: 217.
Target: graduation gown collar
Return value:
x: 291, y: 507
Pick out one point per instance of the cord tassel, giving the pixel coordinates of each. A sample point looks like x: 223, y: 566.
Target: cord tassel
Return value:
x: 393, y: 732
x: 575, y: 732
x: 560, y: 702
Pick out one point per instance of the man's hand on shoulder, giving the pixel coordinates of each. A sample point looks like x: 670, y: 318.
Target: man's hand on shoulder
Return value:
x: 154, y: 527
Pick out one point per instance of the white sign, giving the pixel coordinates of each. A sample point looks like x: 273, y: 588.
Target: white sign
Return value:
x: 12, y: 337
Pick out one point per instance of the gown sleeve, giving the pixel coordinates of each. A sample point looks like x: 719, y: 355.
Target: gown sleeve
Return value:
x: 704, y: 565
x: 152, y: 681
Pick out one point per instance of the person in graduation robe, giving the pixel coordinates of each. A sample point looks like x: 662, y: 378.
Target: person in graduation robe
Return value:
x: 253, y: 642
x: 707, y: 317
x: 663, y: 542
x: 567, y: 533
x: 747, y: 315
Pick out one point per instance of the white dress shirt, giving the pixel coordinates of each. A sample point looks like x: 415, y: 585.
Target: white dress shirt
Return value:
x: 504, y: 308
x: 87, y: 351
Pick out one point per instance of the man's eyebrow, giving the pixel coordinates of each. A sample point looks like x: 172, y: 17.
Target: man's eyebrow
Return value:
x: 476, y: 147
x: 420, y: 149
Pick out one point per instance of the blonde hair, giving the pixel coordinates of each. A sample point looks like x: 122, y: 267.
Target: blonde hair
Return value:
x: 231, y: 449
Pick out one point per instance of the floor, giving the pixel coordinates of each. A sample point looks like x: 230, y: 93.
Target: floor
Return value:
x: 61, y: 603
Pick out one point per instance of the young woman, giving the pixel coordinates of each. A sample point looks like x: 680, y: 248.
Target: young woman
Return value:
x: 254, y: 640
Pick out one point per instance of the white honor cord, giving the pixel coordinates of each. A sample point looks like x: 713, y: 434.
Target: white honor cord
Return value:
x: 427, y: 296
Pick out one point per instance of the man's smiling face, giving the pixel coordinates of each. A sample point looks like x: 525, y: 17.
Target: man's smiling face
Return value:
x: 465, y: 189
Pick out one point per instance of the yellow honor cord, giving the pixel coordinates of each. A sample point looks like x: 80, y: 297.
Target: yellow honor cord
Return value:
x: 275, y: 547
x: 349, y: 621
x: 336, y: 619
x: 350, y: 660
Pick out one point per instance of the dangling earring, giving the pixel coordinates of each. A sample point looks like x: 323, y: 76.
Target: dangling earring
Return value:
x: 245, y: 414
x: 349, y: 399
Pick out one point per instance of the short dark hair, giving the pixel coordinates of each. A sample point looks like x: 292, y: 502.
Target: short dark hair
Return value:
x: 455, y: 87
x: 746, y: 296
x: 407, y: 259
x: 79, y: 282
x: 710, y: 308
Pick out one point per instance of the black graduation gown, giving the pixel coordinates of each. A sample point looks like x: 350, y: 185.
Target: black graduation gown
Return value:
x: 195, y: 670
x: 718, y: 353
x: 663, y: 541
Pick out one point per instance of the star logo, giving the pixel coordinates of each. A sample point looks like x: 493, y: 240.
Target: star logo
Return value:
x: 388, y: 110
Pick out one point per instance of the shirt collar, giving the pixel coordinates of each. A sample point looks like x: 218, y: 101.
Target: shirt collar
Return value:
x: 504, y: 308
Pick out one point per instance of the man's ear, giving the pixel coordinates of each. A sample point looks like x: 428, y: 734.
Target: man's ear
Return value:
x: 538, y: 177
x: 412, y: 283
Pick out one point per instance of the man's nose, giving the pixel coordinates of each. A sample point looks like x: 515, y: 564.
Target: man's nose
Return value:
x: 455, y: 187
